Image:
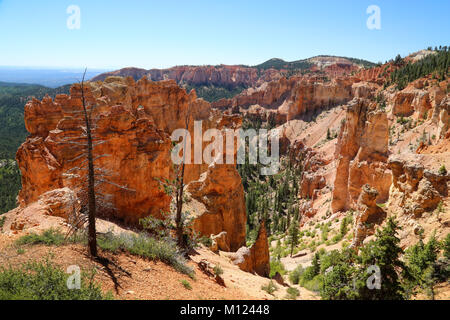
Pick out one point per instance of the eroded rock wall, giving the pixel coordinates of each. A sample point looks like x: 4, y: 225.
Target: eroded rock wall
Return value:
x: 361, y: 155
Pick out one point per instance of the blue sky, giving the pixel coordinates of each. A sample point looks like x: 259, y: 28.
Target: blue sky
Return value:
x: 156, y: 34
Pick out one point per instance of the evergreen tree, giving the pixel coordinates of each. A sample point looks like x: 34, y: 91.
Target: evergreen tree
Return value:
x: 447, y: 246
x: 421, y: 259
x: 385, y: 253
x: 293, y: 235
x: 339, y: 275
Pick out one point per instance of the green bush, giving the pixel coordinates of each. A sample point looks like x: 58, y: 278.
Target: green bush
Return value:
x: 270, y: 288
x: 292, y: 293
x: 186, y: 284
x: 2, y: 222
x: 440, y: 207
x: 344, y: 225
x: 218, y: 271
x: 50, y: 237
x: 307, y: 275
x: 442, y: 170
x: 447, y: 246
x: 206, y: 241
x: 146, y: 247
x: 294, y: 276
x: 276, y: 266
x: 336, y: 238
x: 43, y: 281
x: 314, y: 284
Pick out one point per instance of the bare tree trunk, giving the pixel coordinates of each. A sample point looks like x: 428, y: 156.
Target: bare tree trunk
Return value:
x: 180, y: 192
x: 179, y: 201
x: 92, y: 233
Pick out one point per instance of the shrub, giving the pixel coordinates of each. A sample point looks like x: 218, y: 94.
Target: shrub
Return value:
x: 206, y: 241
x: 186, y: 284
x: 442, y: 170
x: 337, y: 275
x: 270, y: 288
x: 292, y: 293
x: 344, y: 224
x: 440, y: 207
x: 325, y: 231
x: 144, y: 246
x: 336, y: 238
x: 218, y: 271
x: 336, y: 284
x: 294, y: 276
x: 307, y: 275
x: 43, y: 281
x: 447, y: 246
x: 158, y: 227
x: 2, y: 222
x: 50, y: 237
x: 276, y: 266
x: 314, y: 284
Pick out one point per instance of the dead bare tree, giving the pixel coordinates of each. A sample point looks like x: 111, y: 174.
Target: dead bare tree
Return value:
x: 92, y: 207
x: 179, y: 221
x: 92, y: 177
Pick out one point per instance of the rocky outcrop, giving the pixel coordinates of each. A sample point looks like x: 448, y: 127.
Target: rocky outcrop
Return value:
x: 45, y: 213
x: 416, y: 99
x: 217, y: 202
x: 307, y: 209
x: 133, y: 123
x: 368, y: 214
x: 312, y: 180
x: 402, y: 104
x: 415, y: 189
x: 293, y: 97
x: 444, y: 118
x: 220, y: 242
x: 255, y: 259
x: 60, y: 203
x: 310, y: 184
x: 361, y: 153
x: 364, y: 90
x: 376, y: 74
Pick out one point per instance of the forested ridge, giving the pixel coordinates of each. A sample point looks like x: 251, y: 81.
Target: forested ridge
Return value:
x: 13, y: 97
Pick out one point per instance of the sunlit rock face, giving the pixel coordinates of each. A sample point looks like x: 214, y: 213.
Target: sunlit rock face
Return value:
x: 290, y: 98
x: 361, y: 155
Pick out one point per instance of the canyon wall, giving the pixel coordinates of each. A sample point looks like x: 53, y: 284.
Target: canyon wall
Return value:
x: 233, y: 76
x: 291, y: 98
x: 224, y: 76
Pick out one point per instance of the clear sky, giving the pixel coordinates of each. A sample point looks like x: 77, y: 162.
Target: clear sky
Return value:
x: 164, y: 33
